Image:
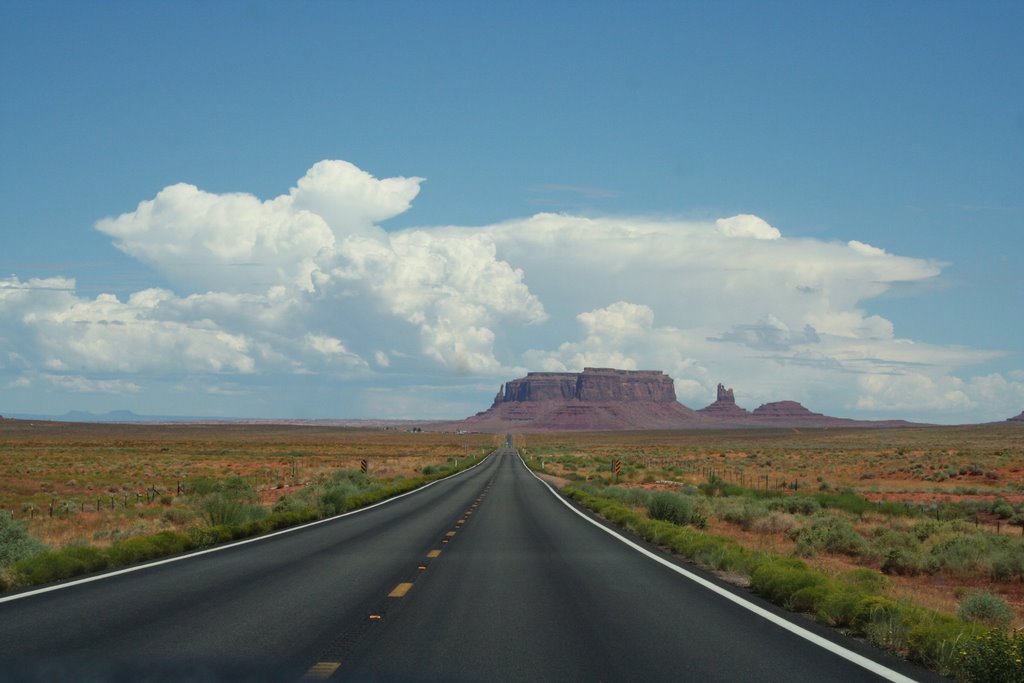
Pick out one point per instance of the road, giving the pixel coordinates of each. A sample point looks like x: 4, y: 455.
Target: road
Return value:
x: 484, y: 576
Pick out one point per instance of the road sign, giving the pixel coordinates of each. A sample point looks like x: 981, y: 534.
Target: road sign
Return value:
x: 618, y: 467
x: 362, y: 465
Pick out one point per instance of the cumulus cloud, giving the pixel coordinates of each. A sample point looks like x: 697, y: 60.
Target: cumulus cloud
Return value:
x: 306, y: 286
x: 746, y: 225
x: 235, y: 241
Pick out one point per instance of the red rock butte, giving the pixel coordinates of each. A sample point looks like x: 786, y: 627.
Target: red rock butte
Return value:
x: 605, y: 399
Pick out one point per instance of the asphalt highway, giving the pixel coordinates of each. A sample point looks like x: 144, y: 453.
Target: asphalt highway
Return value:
x: 485, y: 576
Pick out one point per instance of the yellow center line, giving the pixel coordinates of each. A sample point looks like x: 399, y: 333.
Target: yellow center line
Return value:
x: 400, y: 590
x: 462, y: 521
x: 450, y: 534
x: 321, y: 671
x: 433, y: 553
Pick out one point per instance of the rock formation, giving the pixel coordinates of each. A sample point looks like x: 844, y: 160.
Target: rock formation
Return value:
x: 595, y: 399
x: 783, y: 410
x: 1019, y: 418
x: 603, y: 399
x: 724, y: 406
x: 593, y: 384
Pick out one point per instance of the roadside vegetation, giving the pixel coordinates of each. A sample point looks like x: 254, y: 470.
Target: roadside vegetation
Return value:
x: 240, y: 486
x: 937, y: 577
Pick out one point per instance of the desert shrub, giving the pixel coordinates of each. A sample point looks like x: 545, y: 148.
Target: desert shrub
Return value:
x: 926, y: 528
x: 740, y: 510
x: 866, y: 580
x: 64, y: 563
x: 335, y: 499
x: 716, y: 486
x: 142, y: 548
x: 1008, y: 564
x: 993, y: 657
x: 900, y: 551
x: 630, y: 496
x: 362, y: 481
x: 224, y: 501
x: 779, y: 579
x: 828, y: 533
x: 15, y: 541
x: 670, y: 507
x: 226, y: 508
x: 204, y: 537
x: 936, y: 640
x: 796, y: 505
x: 775, y: 522
x: 177, y: 516
x: 961, y: 554
x: 904, y: 562
x: 985, y: 608
x: 840, y: 606
x: 1002, y: 509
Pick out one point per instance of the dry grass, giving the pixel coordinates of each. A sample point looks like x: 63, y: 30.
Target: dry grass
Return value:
x: 914, y: 465
x: 78, y: 468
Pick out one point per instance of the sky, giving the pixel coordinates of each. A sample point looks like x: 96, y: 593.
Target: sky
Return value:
x: 387, y: 209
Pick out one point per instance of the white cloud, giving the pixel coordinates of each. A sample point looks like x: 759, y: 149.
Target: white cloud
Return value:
x: 746, y: 225
x: 621, y: 319
x: 307, y: 285
x: 865, y: 249
x: 85, y: 385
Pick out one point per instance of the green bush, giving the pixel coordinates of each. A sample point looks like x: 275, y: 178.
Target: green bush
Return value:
x: 1008, y: 564
x: 69, y: 561
x: 15, y: 541
x: 886, y: 623
x: 630, y: 496
x: 779, y: 579
x: 670, y: 507
x: 774, y: 523
x: 829, y: 533
x: 962, y: 554
x: 866, y: 580
x: 794, y: 505
x: 903, y: 562
x: 985, y: 608
x: 992, y: 657
x: 935, y: 640
x: 739, y: 510
x: 335, y: 499
x: 224, y: 508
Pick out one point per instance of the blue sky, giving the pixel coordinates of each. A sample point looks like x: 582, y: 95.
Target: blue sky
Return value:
x: 589, y: 158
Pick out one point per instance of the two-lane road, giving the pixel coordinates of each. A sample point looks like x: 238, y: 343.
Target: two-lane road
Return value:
x: 485, y: 576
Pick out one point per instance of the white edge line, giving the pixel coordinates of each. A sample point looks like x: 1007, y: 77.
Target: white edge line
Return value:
x: 234, y: 544
x: 860, y: 660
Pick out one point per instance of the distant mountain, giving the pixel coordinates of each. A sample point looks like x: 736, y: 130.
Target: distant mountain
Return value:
x: 113, y: 417
x: 1019, y: 418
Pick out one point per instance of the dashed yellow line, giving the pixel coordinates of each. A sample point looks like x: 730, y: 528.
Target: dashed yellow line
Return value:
x: 450, y: 534
x: 433, y: 553
x: 321, y: 671
x: 400, y: 590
